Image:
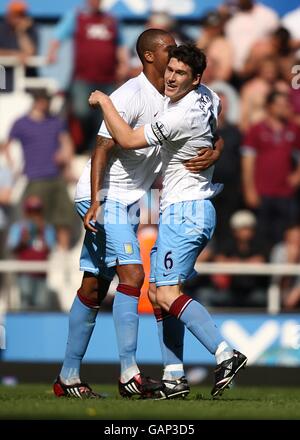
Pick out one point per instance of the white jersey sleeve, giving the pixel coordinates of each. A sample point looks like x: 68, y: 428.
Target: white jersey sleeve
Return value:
x: 129, y: 173
x: 186, y: 126
x: 172, y: 126
x: 127, y: 106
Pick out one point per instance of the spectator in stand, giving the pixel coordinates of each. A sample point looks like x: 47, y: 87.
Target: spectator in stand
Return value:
x: 292, y: 298
x: 31, y: 239
x: 232, y: 98
x: 100, y: 60
x: 241, y: 246
x: 163, y: 20
x: 6, y: 186
x: 47, y: 149
x: 255, y: 91
x: 278, y: 44
x: 283, y: 49
x: 251, y: 22
x: 288, y: 251
x: 269, y: 179
x: 217, y: 47
x: 291, y: 22
x: 227, y: 171
x: 18, y: 37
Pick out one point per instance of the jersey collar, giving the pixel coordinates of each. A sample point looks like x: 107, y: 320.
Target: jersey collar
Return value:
x: 147, y: 83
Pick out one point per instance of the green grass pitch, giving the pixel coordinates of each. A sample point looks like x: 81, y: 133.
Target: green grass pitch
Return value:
x: 245, y: 403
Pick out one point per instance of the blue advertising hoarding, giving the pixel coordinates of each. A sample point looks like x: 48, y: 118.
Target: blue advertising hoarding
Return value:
x: 266, y: 340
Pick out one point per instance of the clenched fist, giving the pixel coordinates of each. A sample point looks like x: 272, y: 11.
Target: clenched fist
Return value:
x: 96, y: 98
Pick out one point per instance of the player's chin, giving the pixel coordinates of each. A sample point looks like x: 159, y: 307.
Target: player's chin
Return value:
x: 170, y: 92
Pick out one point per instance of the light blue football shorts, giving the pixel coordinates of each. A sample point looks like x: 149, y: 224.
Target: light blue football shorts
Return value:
x: 184, y: 230
x: 115, y: 243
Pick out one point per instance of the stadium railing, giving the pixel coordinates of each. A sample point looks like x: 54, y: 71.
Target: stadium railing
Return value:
x: 23, y: 82
x: 276, y: 271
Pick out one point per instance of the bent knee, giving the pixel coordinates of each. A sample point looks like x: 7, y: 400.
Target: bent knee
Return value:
x: 94, y: 289
x: 166, y: 295
x: 132, y: 275
x: 161, y: 298
x: 152, y: 294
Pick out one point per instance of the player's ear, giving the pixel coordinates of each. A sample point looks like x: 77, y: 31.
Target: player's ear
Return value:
x: 149, y: 57
x: 197, y: 80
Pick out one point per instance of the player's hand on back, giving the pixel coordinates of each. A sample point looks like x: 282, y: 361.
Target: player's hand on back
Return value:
x: 206, y: 158
x: 91, y: 217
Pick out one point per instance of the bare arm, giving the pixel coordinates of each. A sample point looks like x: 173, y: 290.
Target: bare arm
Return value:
x: 123, y: 134
x: 26, y: 44
x: 100, y: 157
x: 21, y: 55
x: 6, y: 149
x: 251, y: 197
x: 52, y: 52
x: 10, y: 52
x: 65, y: 152
x: 5, y: 196
x: 64, y: 156
x: 123, y: 63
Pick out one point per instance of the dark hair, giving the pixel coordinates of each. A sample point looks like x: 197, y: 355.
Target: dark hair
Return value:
x: 273, y: 95
x: 191, y: 55
x: 148, y: 41
x: 38, y: 94
x: 283, y: 37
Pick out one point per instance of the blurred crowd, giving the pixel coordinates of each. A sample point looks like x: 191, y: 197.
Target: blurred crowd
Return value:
x: 253, y: 64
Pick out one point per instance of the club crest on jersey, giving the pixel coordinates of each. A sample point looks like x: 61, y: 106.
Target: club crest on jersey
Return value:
x: 128, y: 248
x: 160, y: 131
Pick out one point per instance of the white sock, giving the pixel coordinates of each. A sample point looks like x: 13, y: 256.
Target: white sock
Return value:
x: 223, y: 353
x: 72, y: 378
x: 129, y: 373
x: 173, y: 372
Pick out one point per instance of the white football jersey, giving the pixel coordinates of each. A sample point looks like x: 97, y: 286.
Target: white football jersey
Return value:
x: 129, y: 173
x: 184, y: 128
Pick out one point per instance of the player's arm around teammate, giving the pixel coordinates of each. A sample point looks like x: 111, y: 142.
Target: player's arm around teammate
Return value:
x: 93, y: 287
x: 135, y: 139
x: 99, y: 161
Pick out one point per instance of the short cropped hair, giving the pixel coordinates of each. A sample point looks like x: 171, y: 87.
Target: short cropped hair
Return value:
x: 191, y: 55
x: 38, y: 94
x: 148, y: 40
